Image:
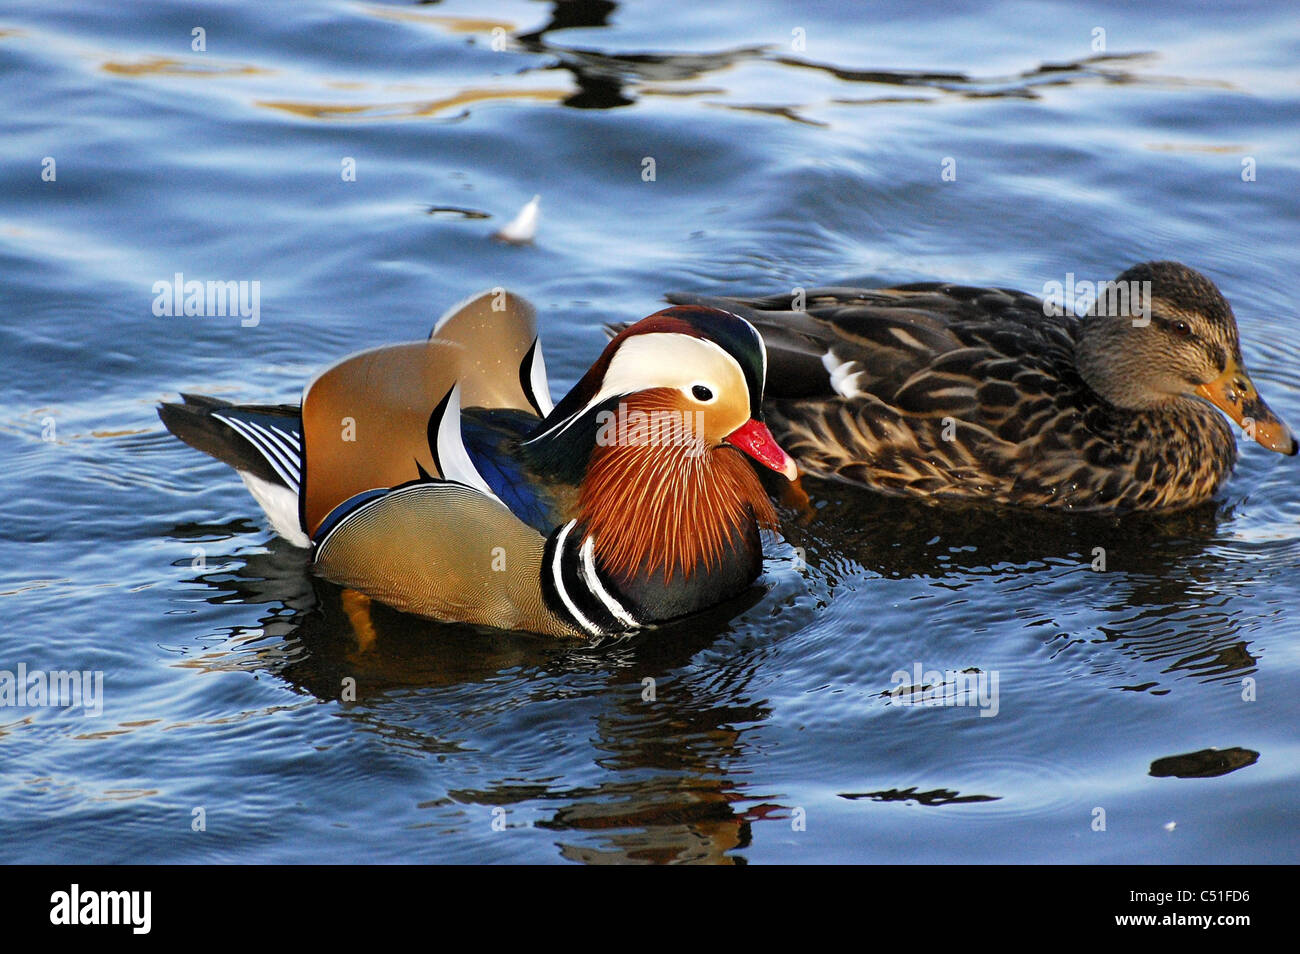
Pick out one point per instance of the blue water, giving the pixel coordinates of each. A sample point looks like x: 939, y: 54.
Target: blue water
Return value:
x: 781, y: 159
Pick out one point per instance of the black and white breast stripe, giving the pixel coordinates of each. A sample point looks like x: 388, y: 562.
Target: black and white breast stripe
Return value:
x: 281, y: 448
x: 575, y: 590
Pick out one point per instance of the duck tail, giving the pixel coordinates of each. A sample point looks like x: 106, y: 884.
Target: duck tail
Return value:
x: 262, y: 442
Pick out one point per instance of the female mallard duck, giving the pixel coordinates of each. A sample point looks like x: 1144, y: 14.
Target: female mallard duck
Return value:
x: 437, y: 477
x: 943, y: 391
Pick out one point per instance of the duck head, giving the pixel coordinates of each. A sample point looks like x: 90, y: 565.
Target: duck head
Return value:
x: 1163, y: 333
x: 656, y: 436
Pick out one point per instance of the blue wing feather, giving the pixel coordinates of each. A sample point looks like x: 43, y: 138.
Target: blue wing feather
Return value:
x: 489, y: 437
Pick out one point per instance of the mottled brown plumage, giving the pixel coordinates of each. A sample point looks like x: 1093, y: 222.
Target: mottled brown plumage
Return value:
x: 950, y: 392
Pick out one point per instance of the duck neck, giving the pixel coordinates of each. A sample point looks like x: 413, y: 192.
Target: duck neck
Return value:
x: 1117, y: 370
x: 660, y: 512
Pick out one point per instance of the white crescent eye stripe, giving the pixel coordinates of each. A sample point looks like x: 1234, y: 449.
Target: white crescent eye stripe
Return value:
x: 662, y: 359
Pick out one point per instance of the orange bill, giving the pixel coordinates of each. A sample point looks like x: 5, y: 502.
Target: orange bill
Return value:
x: 1234, y: 394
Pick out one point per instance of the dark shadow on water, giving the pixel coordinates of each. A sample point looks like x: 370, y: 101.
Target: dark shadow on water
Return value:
x: 608, y: 80
x: 900, y: 537
x: 667, y: 791
x: 939, y: 796
x: 1150, y: 580
x: 666, y: 751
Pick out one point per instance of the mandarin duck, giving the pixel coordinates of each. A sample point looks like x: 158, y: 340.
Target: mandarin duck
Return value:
x: 948, y: 392
x: 437, y: 477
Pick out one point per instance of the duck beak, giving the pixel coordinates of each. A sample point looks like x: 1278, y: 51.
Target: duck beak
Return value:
x: 1234, y: 394
x: 757, y: 441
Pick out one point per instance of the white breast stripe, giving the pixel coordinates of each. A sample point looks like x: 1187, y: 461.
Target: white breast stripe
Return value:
x: 558, y: 579
x: 588, y: 567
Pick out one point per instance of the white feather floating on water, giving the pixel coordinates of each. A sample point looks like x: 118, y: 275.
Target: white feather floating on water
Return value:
x: 523, y: 227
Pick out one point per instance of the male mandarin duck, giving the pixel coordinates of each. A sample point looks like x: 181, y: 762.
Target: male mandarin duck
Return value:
x: 437, y: 477
x: 985, y: 394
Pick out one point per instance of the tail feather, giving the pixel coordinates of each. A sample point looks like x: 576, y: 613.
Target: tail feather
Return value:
x: 261, y: 439
x: 263, y: 442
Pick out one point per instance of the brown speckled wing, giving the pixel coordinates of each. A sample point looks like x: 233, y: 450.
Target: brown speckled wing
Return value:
x: 972, y: 393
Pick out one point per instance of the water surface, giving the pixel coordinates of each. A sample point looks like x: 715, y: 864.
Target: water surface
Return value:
x: 781, y: 158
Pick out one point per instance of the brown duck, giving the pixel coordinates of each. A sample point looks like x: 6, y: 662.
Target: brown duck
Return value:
x: 943, y: 391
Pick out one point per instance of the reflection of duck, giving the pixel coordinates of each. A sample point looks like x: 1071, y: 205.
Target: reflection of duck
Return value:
x: 947, y: 392
x: 856, y: 528
x: 592, y: 517
x: 660, y: 790
x: 1140, y: 591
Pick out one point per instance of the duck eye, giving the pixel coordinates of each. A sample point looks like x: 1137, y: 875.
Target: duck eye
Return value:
x: 702, y: 393
x: 1181, y: 328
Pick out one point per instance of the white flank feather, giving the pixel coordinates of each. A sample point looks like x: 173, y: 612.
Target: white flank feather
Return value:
x: 281, y: 506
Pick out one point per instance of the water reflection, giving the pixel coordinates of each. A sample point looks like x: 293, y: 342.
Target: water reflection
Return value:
x: 938, y: 796
x: 573, y: 14
x: 899, y: 537
x: 457, y: 103
x: 1152, y: 587
x: 1106, y: 68
x: 604, y: 79
x: 171, y: 66
x: 665, y: 734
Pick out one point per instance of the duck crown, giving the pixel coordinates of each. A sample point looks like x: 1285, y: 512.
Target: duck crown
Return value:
x: 703, y: 362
